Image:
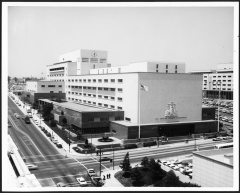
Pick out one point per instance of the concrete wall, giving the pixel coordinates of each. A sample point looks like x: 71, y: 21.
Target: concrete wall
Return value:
x: 208, y: 113
x: 73, y: 56
x: 31, y: 86
x: 121, y: 130
x: 210, y: 173
x: 47, y: 96
x: 184, y: 90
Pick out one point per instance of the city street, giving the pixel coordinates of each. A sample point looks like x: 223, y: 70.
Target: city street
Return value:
x: 54, y: 166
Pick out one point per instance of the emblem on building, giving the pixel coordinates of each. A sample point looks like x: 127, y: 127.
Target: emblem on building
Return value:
x: 171, y: 112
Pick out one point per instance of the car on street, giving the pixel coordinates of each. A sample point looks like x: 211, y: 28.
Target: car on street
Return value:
x: 163, y: 162
x: 17, y: 116
x: 171, y: 165
x: 32, y: 166
x: 218, y: 139
x: 48, y: 134
x: 61, y: 184
x: 82, y: 181
x: 97, y: 181
x: 30, y: 115
x: 182, y: 170
x: 91, y: 172
x: 77, y: 149
x: 104, y: 159
x: 230, y: 120
x: 55, y: 141
x: 227, y: 137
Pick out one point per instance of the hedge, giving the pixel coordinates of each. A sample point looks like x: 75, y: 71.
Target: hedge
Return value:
x: 130, y: 146
x: 151, y: 143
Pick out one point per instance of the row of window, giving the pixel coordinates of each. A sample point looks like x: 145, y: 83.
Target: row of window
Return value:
x: 55, y: 69
x: 215, y: 88
x: 221, y: 85
x: 220, y: 76
x: 95, y: 88
x: 52, y: 85
x: 95, y: 80
x: 94, y: 103
x: 167, y: 71
x: 94, y: 96
x: 94, y: 60
x: 56, y: 75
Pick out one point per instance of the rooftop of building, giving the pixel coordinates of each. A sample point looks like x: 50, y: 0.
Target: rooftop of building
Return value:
x: 59, y: 63
x: 218, y: 155
x: 79, y: 107
x: 128, y: 123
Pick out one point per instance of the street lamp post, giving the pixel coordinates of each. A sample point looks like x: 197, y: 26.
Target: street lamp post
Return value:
x: 69, y: 137
x: 219, y: 96
x: 113, y: 156
x: 100, y: 161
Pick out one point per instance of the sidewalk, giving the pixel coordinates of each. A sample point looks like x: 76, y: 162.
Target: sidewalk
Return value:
x: 112, y: 181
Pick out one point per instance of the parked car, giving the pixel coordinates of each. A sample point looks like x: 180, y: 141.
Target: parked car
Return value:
x: 61, y: 184
x: 91, y: 172
x: 32, y: 166
x: 175, y: 167
x: 48, y: 134
x: 82, y: 181
x: 218, y: 139
x: 104, y: 159
x: 59, y: 145
x: 227, y: 137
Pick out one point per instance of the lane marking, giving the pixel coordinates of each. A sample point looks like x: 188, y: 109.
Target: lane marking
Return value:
x: 24, y: 134
x: 80, y: 173
x: 42, y: 156
x: 80, y: 163
x: 27, y: 147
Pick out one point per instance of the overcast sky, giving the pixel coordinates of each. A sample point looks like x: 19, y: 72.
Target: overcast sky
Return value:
x: 201, y: 37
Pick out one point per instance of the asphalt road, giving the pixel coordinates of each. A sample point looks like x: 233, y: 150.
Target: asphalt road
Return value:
x: 54, y: 166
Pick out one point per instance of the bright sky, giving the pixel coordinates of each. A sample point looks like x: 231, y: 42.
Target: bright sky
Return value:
x: 201, y: 37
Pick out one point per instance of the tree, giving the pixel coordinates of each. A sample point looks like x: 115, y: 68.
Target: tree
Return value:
x: 126, y: 163
x: 136, y: 176
x: 46, y: 111
x: 171, y: 180
x: 9, y: 79
x: 157, y: 173
x: 86, y: 141
x: 145, y: 162
x: 15, y: 79
x: 35, y: 106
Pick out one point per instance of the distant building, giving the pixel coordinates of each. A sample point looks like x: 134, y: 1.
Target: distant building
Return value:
x: 36, y: 90
x: 213, y: 80
x: 213, y: 168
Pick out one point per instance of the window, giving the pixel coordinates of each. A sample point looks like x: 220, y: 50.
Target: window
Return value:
x: 100, y: 104
x: 84, y: 94
x: 166, y: 66
x: 105, y: 88
x: 94, y: 80
x: 105, y: 105
x: 119, y: 108
x: 224, y: 84
x: 94, y: 88
x: 112, y: 80
x: 112, y: 98
x: 84, y: 87
x: 166, y: 71
x: 224, y: 80
x: 127, y: 119
x: 229, y: 84
x: 229, y: 76
x: 89, y: 94
x: 119, y: 99
x: 85, y: 60
x: 89, y: 88
x: 84, y: 80
x: 112, y: 106
x: 89, y: 102
x: 224, y: 76
x: 106, y: 97
x: 51, y: 92
x: 80, y: 80
x: 94, y: 103
x: 120, y: 80
x: 175, y: 71
x: 99, y: 88
x: 105, y: 80
x: 229, y: 80
x: 51, y: 85
x: 175, y: 67
x: 99, y: 80
x: 84, y: 101
x: 42, y: 85
x: 94, y: 95
x: 99, y: 96
x: 59, y: 85
x: 89, y: 80
x: 112, y: 89
x: 93, y: 60
x: 103, y: 60
x: 76, y: 80
x: 156, y: 70
x: 219, y: 76
x: 156, y: 65
x: 214, y: 76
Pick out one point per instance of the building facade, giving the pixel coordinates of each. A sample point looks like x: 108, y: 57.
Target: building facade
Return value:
x: 213, y: 168
x: 36, y: 90
x: 213, y: 80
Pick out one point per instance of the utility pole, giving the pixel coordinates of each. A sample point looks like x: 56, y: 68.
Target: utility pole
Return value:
x: 100, y: 161
x: 69, y: 137
x: 113, y: 157
x: 91, y: 144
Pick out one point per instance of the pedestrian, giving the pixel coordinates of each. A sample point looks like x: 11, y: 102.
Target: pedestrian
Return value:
x: 109, y: 175
x: 103, y: 177
x: 97, y: 152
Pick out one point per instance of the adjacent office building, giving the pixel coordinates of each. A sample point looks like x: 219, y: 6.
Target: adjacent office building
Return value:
x: 213, y: 168
x: 213, y: 80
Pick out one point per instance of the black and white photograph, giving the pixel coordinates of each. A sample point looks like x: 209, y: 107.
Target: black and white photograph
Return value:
x: 120, y: 96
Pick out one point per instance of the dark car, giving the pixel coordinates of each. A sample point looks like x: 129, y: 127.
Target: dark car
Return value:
x: 77, y: 149
x: 48, y: 134
x: 104, y: 159
x: 59, y: 145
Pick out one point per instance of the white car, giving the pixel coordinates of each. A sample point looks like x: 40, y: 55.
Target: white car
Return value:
x: 55, y: 141
x: 171, y: 165
x: 31, y: 166
x: 61, y: 184
x: 82, y: 181
x: 17, y: 116
x: 175, y: 168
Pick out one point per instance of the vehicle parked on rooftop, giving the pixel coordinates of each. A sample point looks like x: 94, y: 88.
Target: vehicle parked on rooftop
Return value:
x: 32, y: 166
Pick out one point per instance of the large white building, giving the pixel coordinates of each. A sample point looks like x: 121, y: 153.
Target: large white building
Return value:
x: 172, y: 96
